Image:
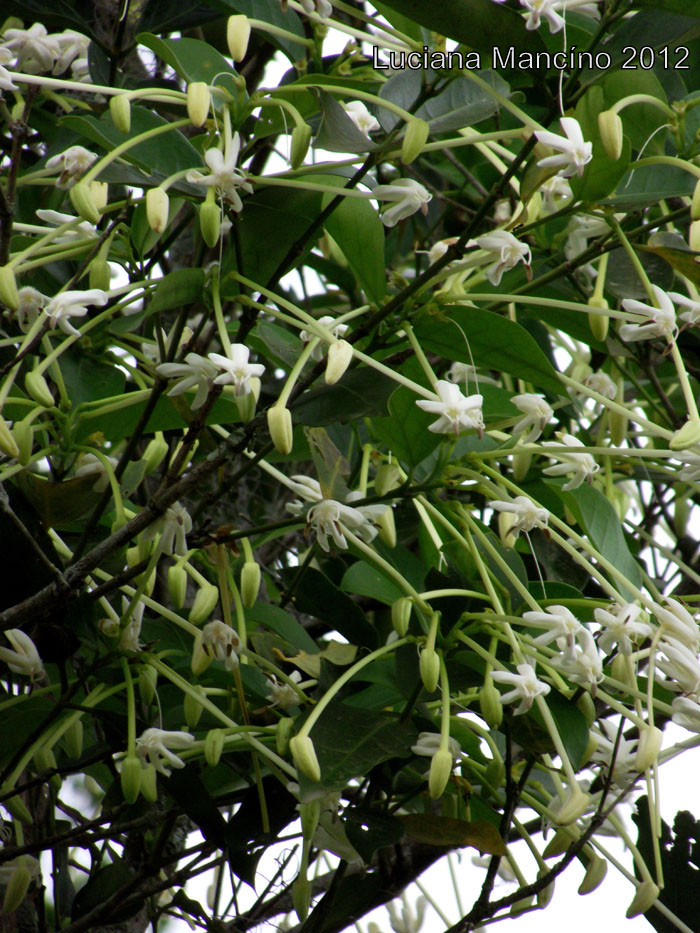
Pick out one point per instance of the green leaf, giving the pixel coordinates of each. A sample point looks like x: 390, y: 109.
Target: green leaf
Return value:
x: 337, y: 132
x: 58, y: 503
x: 177, y: 290
x: 368, y: 831
x: 356, y: 228
x: 639, y: 120
x: 682, y: 260
x: 193, y: 60
x: 571, y: 725
x: 599, y: 520
x: 685, y: 7
x: 623, y: 280
x: 495, y: 343
x: 363, y: 579
x: 463, y: 103
x: 405, y: 431
x: 360, y: 393
x: 88, y: 378
x: 317, y: 596
x: 434, y: 830
x: 602, y: 174
x: 101, y: 886
x: 283, y: 624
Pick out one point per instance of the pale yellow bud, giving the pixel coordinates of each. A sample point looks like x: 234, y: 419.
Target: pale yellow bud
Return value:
x: 309, y: 814
x: 285, y: 727
x: 490, y: 705
x: 645, y: 895
x: 213, y: 747
x: 279, y: 424
x: 237, y: 36
x: 521, y: 906
x: 131, y: 778
x: 610, y: 128
x: 388, y: 477
x: 155, y: 451
x: 301, y: 897
x: 193, y: 707
x: 37, y: 387
x: 650, y: 738
x: 157, y: 208
x: 387, y: 527
x: 495, y: 773
x: 210, y: 221
x: 339, y: 357
x: 204, y: 602
x: 695, y: 204
x: 304, y: 755
x: 149, y: 784
x: 198, y: 102
x: 148, y: 680
x: 200, y: 658
x: 440, y: 771
x: 99, y: 190
x: 597, y: 321
x: 521, y: 465
x: 546, y: 894
x: 8, y: 288
x: 100, y: 274
x: 120, y: 110
x: 561, y: 841
x: 301, y: 138
x: 401, y: 615
x: 16, y: 889
x: 429, y: 669
x: 687, y: 436
x: 586, y: 705
x: 82, y: 200
x: 246, y: 406
x: 24, y: 438
x: 572, y: 808
x: 415, y: 137
x: 250, y: 583
x: 73, y: 738
x: 506, y: 520
x: 694, y: 236
x: 596, y: 871
x: 8, y: 444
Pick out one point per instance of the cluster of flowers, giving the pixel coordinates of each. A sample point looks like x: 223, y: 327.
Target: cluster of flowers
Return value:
x: 35, y: 51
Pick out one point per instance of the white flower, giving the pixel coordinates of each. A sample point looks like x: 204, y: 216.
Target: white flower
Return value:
x: 92, y: 465
x: 410, y: 196
x: 331, y: 519
x: 225, y: 177
x: 677, y: 623
x: 525, y: 687
x: 338, y: 330
x: 625, y: 756
x: 6, y: 83
x: 429, y: 742
x: 680, y: 664
x: 361, y: 117
x: 553, y: 190
x: 81, y: 230
x: 221, y: 642
x: 308, y: 488
x: 602, y: 384
x: 457, y: 412
x: 70, y: 304
x: 195, y: 371
x: 581, y: 663
x: 282, y: 694
x: 509, y: 252
x: 322, y: 7
x: 547, y: 8
x: 692, y: 315
x: 686, y: 713
x: 559, y: 625
x: 22, y: 658
x: 579, y: 466
x: 407, y: 921
x: 656, y: 322
x: 580, y: 229
x: 31, y: 303
x: 622, y: 627
x: 35, y: 50
x: 155, y: 745
x: 173, y: 527
x: 537, y: 413
x: 527, y: 514
x: 237, y: 371
x: 574, y: 153
x: 72, y: 164
x: 73, y: 45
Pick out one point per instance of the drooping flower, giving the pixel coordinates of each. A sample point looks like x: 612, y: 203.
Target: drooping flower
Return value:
x: 131, y: 633
x: 686, y: 713
x: 31, y: 303
x: 554, y: 191
x: 83, y: 229
x: 625, y: 751
x: 692, y: 315
x: 579, y: 466
x: 573, y: 152
x: 72, y: 164
x: 173, y: 527
x: 622, y: 627
x: 457, y: 412
x: 581, y: 663
x: 331, y: 519
x: 559, y: 625
x: 327, y: 321
x: 527, y: 514
x: 72, y: 45
x: 22, y: 658
x: 221, y: 642
x: 524, y: 687
x: 509, y: 251
x: 677, y: 623
x: 655, y: 322
x: 537, y: 413
x: 35, y: 49
x: 429, y: 742
x: 237, y: 371
x: 225, y: 177
x: 195, y: 371
x: 547, y: 8
x: 409, y: 920
x: 91, y: 465
x: 465, y: 372
x: 602, y: 384
x: 410, y: 196
x: 282, y: 694
x: 154, y: 746
x: 359, y: 114
x: 681, y: 666
x: 70, y: 304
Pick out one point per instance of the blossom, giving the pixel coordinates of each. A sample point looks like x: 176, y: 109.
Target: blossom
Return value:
x: 409, y: 195
x: 463, y: 372
x: 80, y: 230
x: 547, y: 8
x: 22, y: 658
x: 559, y: 623
x: 72, y: 45
x: 692, y: 315
x: 581, y: 663
x: 195, y: 371
x: 622, y: 626
x: 624, y: 765
x: 308, y: 488
x: 525, y: 687
x: 429, y: 742
x: 130, y: 634
x: 580, y: 230
x: 364, y: 121
x: 407, y: 921
x: 173, y: 528
x: 677, y: 623
x: 553, y: 190
x: 72, y: 164
x: 70, y: 304
x: 221, y: 642
x: 327, y: 321
x: 92, y: 465
x: 282, y: 694
x: 656, y: 322
x: 457, y: 412
x: 332, y: 519
x: 691, y: 468
x: 574, y: 153
x: 686, y: 713
x: 681, y: 666
x: 237, y: 370
x: 225, y: 177
x: 510, y: 251
x: 6, y: 84
x: 322, y: 7
x: 527, y: 514
x: 31, y: 303
x: 35, y: 49
x: 537, y: 413
x: 602, y: 384
x: 578, y: 466
x: 154, y: 745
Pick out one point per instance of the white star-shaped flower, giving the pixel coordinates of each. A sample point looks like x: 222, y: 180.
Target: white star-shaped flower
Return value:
x: 72, y: 164
x: 573, y: 152
x: 225, y: 177
x: 692, y: 315
x: 527, y: 514
x: 237, y: 371
x: 410, y: 196
x: 70, y: 304
x: 678, y: 623
x: 154, y: 745
x: 602, y: 384
x: 31, y: 303
x: 680, y: 664
x: 322, y: 7
x: 81, y: 229
x: 72, y: 45
x: 35, y: 49
x: 338, y: 330
x: 173, y: 527
x: 509, y: 252
x: 221, y: 642
x: 559, y: 624
x: 547, y: 8
x: 195, y: 371
x: 457, y: 412
x: 525, y: 687
x: 581, y: 663
x: 622, y: 627
x: 579, y: 466
x: 331, y: 519
x: 361, y: 117
x: 656, y: 321
x: 686, y: 713
x: 537, y: 413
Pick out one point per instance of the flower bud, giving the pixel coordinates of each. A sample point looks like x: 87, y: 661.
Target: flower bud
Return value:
x: 301, y: 137
x: 561, y: 841
x: 490, y: 705
x: 694, y: 236
x: 81, y: 198
x: 687, y: 436
x: 200, y: 658
x: 198, y: 102
x: 610, y: 129
x: 620, y: 671
x: 24, y: 439
x: 414, y: 138
x: 304, y: 755
x: 650, y: 738
x: 430, y: 669
x: 16, y: 807
x: 120, y: 111
x: 237, y: 36
x: 598, y: 322
x: 279, y: 424
x: 16, y: 889
x: 100, y: 274
x: 586, y: 705
x: 73, y: 738
x: 154, y: 452
x: 177, y: 585
x: 8, y: 288
x: 387, y: 527
x: 157, y: 208
x: 546, y: 894
x: 250, y: 583
x: 193, y: 707
x: 572, y: 808
x: 681, y: 513
x: 36, y: 386
x: 45, y: 760
x: 99, y: 190
x: 213, y: 747
x: 440, y: 771
x: 401, y: 615
x: 339, y: 357
x: 148, y: 679
x: 285, y: 727
x: 149, y: 783
x: 596, y: 870
x: 520, y: 906
x: 109, y: 627
x: 506, y: 520
x: 695, y: 203
x: 8, y: 444
x: 387, y: 478
x: 210, y: 221
x: 131, y: 778
x: 644, y: 898
x: 521, y: 465
x: 246, y: 406
x: 309, y: 814
x: 204, y: 602
x: 301, y: 897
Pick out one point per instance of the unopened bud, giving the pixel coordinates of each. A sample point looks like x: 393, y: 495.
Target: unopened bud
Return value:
x: 100, y: 274
x: 339, y: 357
x: 620, y: 671
x: 301, y: 138
x: 430, y: 669
x: 73, y: 738
x: 401, y: 615
x: 120, y: 110
x: 521, y: 465
x: 279, y: 424
x: 155, y: 451
x: 44, y: 759
x: 596, y: 871
x: 246, y: 406
x: 148, y: 679
x: 177, y: 585
x: 198, y: 102
x: 648, y: 747
x: 8, y: 288
x: 149, y: 783
x: 387, y: 527
x: 285, y: 727
x: 561, y: 841
x: 213, y: 747
x: 440, y: 771
x: 521, y: 906
x: 8, y: 443
x: 695, y: 203
x: 210, y: 221
x: 610, y: 129
x: 572, y: 808
x: 24, y: 438
x: 586, y: 705
x: 545, y: 895
x: 301, y: 897
x: 250, y: 583
x: 645, y: 895
x: 16, y: 890
x: 388, y: 477
x: 415, y: 137
x: 490, y: 705
x: 193, y: 706
x: 131, y: 778
x: 681, y: 513
x: 495, y: 773
x: 598, y: 322
x: 506, y: 520
x: 694, y: 236
x: 204, y: 602
x: 99, y: 191
x: 237, y: 36
x: 200, y: 658
x: 37, y: 387
x: 157, y: 208
x: 81, y: 198
x: 304, y: 755
x: 309, y: 814
x: 687, y: 436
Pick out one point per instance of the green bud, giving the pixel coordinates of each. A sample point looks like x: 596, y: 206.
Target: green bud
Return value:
x: 17, y: 807
x: 148, y: 679
x: 246, y: 405
x: 440, y: 771
x: 100, y: 274
x: 309, y: 813
x: 572, y: 808
x: 8, y: 288
x: 586, y: 706
x: 155, y: 451
x: 610, y: 128
x: 694, y: 236
x: 521, y: 465
x: 647, y: 892
x: 387, y: 527
x: 177, y: 585
x: 301, y: 138
x: 24, y: 439
x: 415, y: 137
x: 99, y: 191
x: 430, y: 669
x: 520, y: 906
x: 650, y: 738
x: 598, y: 323
x: 210, y: 221
x: 149, y: 783
x: 401, y: 615
x: 388, y: 477
x: 157, y: 208
x: 37, y: 387
x: 200, y: 659
x: 595, y: 873
x: 120, y: 110
x: 237, y: 36
x: 546, y: 894
x: 204, y: 602
x: 304, y: 755
x: 73, y: 738
x: 561, y: 841
x: 490, y: 705
x: 250, y: 583
x: 506, y: 520
x: 301, y: 897
x: 193, y: 706
x: 198, y: 102
x: 16, y: 889
x: 131, y: 778
x: 82, y: 200
x: 687, y: 436
x: 495, y: 773
x: 8, y: 443
x: 338, y: 360
x: 695, y: 204
x: 279, y: 424
x: 681, y: 513
x: 213, y: 747
x: 285, y: 727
